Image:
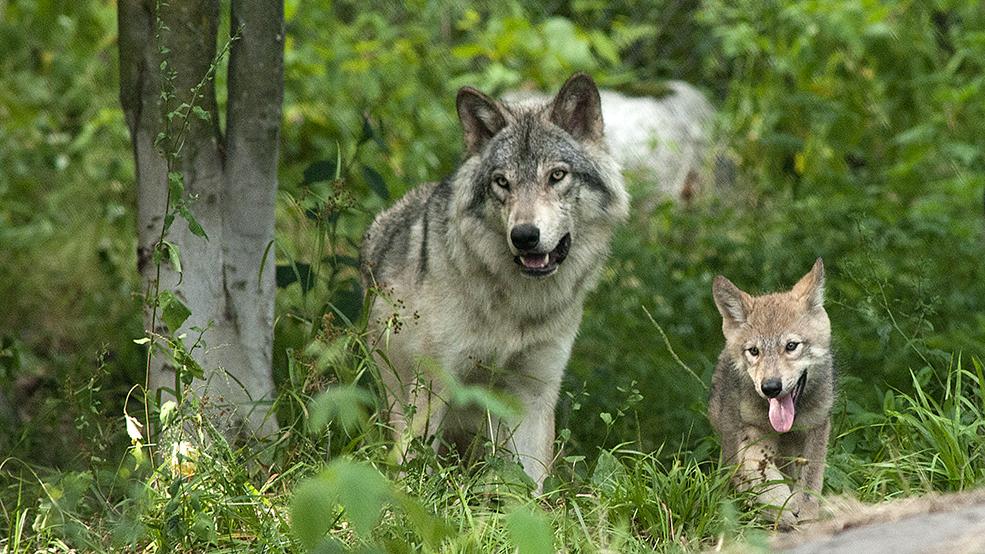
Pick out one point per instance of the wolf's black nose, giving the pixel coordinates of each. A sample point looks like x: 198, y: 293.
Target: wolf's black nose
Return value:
x: 525, y: 236
x: 771, y: 387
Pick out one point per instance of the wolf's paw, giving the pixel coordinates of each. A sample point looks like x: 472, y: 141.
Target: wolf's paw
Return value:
x: 800, y: 509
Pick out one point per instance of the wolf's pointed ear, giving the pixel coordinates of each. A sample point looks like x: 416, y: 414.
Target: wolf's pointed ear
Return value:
x: 732, y: 303
x: 577, y: 108
x: 810, y: 288
x: 481, y: 116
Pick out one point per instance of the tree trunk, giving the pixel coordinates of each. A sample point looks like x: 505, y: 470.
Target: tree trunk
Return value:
x: 230, y: 183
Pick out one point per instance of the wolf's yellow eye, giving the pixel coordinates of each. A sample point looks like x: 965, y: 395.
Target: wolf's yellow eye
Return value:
x: 501, y: 182
x: 792, y: 345
x: 753, y: 351
x: 557, y: 175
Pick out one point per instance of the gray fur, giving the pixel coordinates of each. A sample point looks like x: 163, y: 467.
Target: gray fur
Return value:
x: 739, y: 412
x: 452, y: 299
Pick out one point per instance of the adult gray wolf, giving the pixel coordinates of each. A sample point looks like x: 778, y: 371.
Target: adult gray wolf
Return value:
x: 772, y: 393
x: 480, y: 279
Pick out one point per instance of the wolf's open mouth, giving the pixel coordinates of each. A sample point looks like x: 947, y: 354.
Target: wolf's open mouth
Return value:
x: 799, y: 387
x: 783, y: 409
x: 540, y: 264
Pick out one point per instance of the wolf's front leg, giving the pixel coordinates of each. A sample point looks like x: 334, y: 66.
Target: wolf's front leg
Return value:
x: 417, y: 415
x: 536, y: 388
x: 532, y: 441
x: 758, y: 472
x: 811, y: 479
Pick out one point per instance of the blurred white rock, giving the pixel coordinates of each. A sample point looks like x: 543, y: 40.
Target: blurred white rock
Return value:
x: 664, y: 143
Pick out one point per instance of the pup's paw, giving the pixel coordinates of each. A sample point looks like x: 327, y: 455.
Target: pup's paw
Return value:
x: 802, y: 508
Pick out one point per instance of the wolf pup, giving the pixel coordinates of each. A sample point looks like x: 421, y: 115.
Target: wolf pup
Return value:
x: 772, y: 392
x: 482, y: 277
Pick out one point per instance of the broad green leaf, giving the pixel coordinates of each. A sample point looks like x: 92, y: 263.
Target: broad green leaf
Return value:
x: 173, y: 310
x: 358, y: 487
x: 193, y: 224
x: 608, y: 471
x: 176, y: 185
x: 530, y: 532
x: 347, y: 404
x: 201, y: 113
x: 312, y: 507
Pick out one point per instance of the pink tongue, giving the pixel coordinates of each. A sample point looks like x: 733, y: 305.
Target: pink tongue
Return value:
x: 781, y: 413
x: 535, y: 261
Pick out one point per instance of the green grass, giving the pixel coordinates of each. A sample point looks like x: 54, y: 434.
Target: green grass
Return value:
x: 332, y: 486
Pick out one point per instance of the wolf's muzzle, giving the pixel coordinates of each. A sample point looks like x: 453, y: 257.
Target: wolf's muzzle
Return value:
x: 525, y: 236
x: 541, y: 264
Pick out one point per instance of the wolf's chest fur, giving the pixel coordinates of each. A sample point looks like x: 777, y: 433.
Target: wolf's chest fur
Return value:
x: 484, y: 323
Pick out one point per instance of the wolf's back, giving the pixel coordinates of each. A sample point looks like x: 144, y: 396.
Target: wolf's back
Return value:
x: 398, y: 236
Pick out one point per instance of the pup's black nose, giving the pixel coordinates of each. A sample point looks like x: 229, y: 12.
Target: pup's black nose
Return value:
x: 771, y: 387
x: 525, y: 236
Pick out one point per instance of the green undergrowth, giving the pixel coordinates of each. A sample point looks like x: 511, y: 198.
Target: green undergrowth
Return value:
x: 331, y: 484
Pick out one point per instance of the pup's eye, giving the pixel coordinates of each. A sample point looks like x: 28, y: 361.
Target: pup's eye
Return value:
x: 792, y: 345
x: 501, y: 182
x: 557, y: 175
x: 753, y: 351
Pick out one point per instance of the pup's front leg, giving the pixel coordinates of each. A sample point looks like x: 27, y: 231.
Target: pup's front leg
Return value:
x: 811, y: 480
x: 758, y: 472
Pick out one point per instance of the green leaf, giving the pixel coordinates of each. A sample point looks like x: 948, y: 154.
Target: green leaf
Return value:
x: 530, y: 531
x: 495, y: 402
x: 173, y: 310
x: 174, y: 257
x: 285, y: 274
x: 376, y: 182
x: 322, y: 170
x: 358, y: 487
x: 367, y: 130
x: 263, y: 264
x: 190, y: 368
x: 608, y: 472
x: 176, y: 185
x: 347, y: 404
x: 311, y: 510
x: 369, y: 133
x: 193, y: 224
x: 200, y: 113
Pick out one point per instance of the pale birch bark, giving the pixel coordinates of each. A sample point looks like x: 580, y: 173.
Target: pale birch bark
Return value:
x: 232, y: 180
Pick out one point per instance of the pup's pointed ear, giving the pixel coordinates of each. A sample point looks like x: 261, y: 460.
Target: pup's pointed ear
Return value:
x: 732, y: 303
x: 577, y: 108
x: 481, y: 116
x: 810, y: 288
